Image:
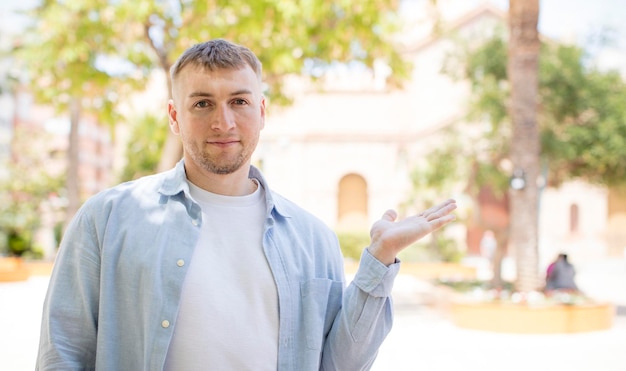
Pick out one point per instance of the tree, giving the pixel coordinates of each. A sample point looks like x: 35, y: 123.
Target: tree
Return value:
x: 523, y: 72
x: 301, y: 38
x: 26, y: 193
x: 430, y: 181
x: 586, y: 116
x: 68, y: 70
x: 581, y: 122
x: 144, y: 147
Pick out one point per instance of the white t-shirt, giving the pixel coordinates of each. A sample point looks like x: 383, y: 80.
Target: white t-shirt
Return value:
x: 228, y: 317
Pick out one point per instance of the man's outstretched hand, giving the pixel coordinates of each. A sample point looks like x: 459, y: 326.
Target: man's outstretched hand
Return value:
x: 390, y: 237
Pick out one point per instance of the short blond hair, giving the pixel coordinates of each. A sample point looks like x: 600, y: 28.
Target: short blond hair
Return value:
x: 217, y: 54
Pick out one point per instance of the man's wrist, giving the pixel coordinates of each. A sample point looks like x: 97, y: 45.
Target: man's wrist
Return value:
x: 381, y: 255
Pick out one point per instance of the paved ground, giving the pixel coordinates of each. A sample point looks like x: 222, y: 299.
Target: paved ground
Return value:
x: 425, y: 339
x: 422, y: 338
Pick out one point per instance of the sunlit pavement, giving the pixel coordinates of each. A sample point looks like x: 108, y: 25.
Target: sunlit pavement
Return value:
x: 425, y: 339
x: 20, y: 317
x: 422, y: 338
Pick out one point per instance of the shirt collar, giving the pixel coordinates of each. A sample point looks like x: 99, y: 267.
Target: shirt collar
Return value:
x: 175, y: 182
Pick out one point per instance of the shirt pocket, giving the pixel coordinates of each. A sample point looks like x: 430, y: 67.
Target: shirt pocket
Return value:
x: 321, y: 301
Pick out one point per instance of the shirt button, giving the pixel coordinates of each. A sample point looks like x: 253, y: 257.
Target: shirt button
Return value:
x: 180, y: 262
x: 165, y: 323
x: 195, y: 222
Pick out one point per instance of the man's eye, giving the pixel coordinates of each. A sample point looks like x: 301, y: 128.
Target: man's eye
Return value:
x: 202, y: 104
x: 240, y: 102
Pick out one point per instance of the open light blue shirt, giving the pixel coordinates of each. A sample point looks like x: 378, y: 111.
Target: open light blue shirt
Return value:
x: 115, y: 290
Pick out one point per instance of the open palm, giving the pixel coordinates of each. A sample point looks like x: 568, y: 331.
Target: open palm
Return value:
x: 389, y: 236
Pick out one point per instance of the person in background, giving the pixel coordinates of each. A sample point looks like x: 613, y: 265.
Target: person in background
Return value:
x: 560, y: 275
x: 488, y: 245
x: 204, y: 267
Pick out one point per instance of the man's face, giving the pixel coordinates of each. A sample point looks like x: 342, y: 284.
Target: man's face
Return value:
x: 218, y: 115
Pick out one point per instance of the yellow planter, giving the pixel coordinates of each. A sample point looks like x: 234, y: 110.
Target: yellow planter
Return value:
x: 13, y: 269
x: 530, y: 319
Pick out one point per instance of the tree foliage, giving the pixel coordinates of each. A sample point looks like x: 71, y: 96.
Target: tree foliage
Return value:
x: 67, y: 52
x: 290, y: 38
x: 584, y: 118
x: 144, y: 147
x: 581, y: 112
x: 113, y: 46
x: 25, y: 194
x: 582, y: 124
x: 433, y: 178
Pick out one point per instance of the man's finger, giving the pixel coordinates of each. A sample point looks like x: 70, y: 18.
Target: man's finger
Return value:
x: 438, y: 207
x: 390, y: 215
x: 444, y: 210
x: 440, y: 222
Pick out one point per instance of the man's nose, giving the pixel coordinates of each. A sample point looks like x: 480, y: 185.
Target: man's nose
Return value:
x: 223, y: 119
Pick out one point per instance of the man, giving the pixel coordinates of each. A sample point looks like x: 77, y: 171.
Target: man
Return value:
x: 203, y: 267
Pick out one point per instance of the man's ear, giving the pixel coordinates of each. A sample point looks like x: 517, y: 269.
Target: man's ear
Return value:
x: 262, y: 112
x: 172, y: 114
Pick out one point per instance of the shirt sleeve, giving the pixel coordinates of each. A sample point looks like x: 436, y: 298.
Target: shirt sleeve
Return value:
x: 69, y: 320
x: 365, y: 318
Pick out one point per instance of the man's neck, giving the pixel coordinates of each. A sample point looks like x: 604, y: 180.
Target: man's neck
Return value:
x: 234, y: 184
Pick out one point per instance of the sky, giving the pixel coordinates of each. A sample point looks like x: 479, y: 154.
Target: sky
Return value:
x: 567, y: 18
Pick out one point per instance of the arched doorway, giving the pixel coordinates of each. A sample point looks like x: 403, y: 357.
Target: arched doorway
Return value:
x: 352, y: 203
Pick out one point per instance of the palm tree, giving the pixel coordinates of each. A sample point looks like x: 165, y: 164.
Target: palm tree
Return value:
x: 522, y: 68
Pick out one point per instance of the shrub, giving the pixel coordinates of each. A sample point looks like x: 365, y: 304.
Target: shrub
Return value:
x: 353, y: 243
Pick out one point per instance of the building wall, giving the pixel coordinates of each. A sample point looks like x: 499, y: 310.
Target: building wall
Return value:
x: 616, y: 230
x: 96, y: 155
x: 586, y: 241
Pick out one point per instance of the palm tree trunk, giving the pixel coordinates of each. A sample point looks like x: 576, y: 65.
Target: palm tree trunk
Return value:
x: 522, y: 68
